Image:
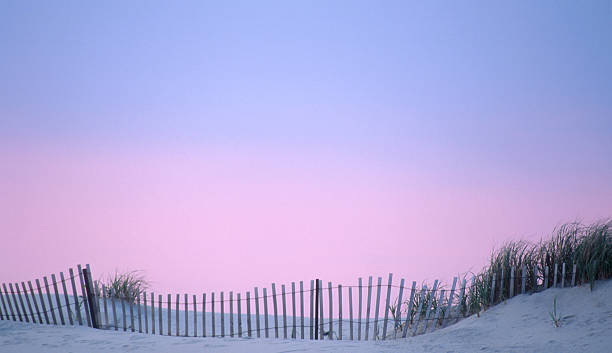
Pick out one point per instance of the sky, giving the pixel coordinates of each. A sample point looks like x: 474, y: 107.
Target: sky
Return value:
x: 231, y: 144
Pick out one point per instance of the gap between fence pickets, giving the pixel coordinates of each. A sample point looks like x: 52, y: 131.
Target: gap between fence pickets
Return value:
x: 13, y: 306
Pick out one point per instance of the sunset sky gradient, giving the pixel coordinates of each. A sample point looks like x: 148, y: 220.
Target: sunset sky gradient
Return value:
x: 221, y: 146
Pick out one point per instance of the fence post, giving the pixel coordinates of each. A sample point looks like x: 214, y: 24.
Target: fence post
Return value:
x: 159, y: 311
x: 546, y: 278
x: 555, y: 276
x: 83, y: 294
x: 275, y: 310
x: 378, y: 287
x: 153, y: 313
x: 512, y: 282
x: 203, y: 314
x: 574, y: 275
x: 90, y: 298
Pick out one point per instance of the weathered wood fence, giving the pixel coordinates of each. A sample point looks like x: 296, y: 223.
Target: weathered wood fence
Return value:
x: 365, y: 311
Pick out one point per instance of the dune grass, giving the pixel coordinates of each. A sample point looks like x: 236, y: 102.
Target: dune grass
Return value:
x: 126, y: 286
x: 587, y: 246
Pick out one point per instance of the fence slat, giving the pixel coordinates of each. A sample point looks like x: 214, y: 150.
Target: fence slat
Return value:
x: 563, y: 275
x: 161, y: 318
x: 449, y: 305
x: 145, y: 309
x: 122, y: 299
x: 3, y: 311
x: 177, y: 330
x: 131, y: 304
x: 546, y: 278
x: 378, y: 288
x: 367, y: 323
x: 222, y: 316
x: 239, y: 314
x: 388, y: 302
x: 248, y: 305
x: 42, y: 302
x: 105, y: 306
x: 437, y: 315
x: 284, y: 311
x: 153, y: 313
x: 574, y: 275
x: 84, y: 294
x: 77, y: 307
x: 294, y: 328
x: 257, y: 322
x: 331, y: 310
x: 4, y: 303
x: 169, y: 311
x: 417, y: 315
x: 212, y: 313
x: 310, y: 323
x: 398, y: 309
x: 339, y: 311
x: 186, y: 315
x: 14, y: 302
x: 33, y: 300
x: 27, y: 298
x: 360, y: 310
x: 302, y: 309
x: 57, y: 299
x: 430, y: 301
x: 95, y: 295
x: 50, y: 302
x: 351, y: 313
x: 195, y: 316
x: 461, y: 297
x: 275, y: 310
x: 322, y: 322
x: 555, y: 276
x: 112, y: 296
x: 25, y: 314
x: 139, y: 313
x: 203, y: 314
x: 512, y: 282
x: 231, y: 318
x: 523, y: 279
x: 265, y: 301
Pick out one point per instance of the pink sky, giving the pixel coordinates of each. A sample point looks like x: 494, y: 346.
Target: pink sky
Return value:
x: 201, y: 220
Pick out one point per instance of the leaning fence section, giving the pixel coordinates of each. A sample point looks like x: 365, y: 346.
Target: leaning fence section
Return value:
x: 376, y: 309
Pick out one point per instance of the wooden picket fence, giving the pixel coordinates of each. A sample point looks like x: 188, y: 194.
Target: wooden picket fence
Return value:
x: 317, y: 312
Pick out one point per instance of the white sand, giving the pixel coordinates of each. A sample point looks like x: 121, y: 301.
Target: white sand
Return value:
x: 519, y: 325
